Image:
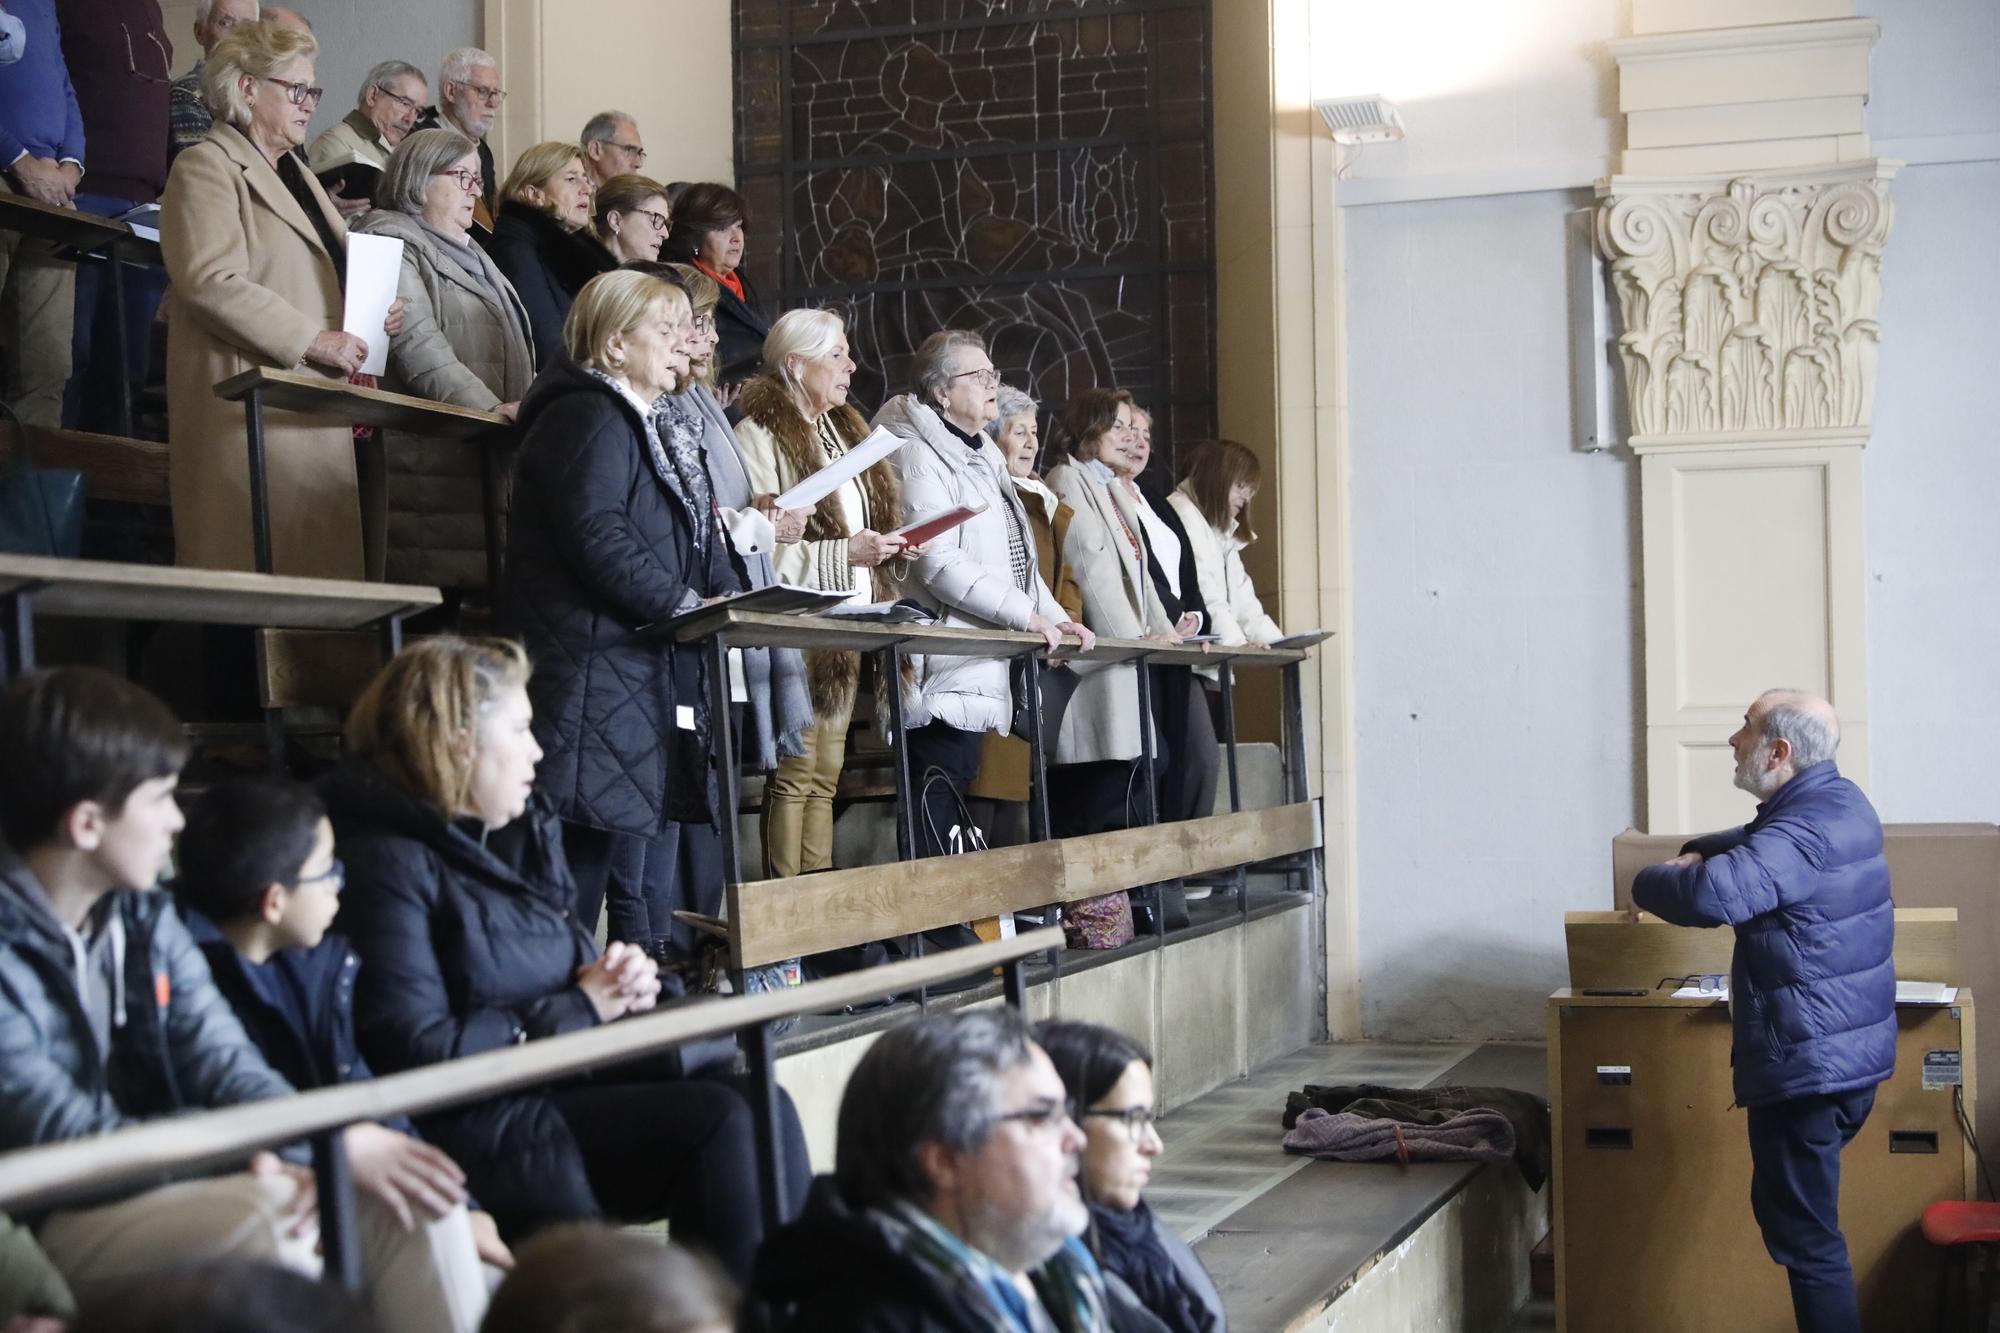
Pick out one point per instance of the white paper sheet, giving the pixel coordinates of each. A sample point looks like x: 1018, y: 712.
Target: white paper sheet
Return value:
x: 1925, y: 992
x: 877, y: 446
x: 374, y: 263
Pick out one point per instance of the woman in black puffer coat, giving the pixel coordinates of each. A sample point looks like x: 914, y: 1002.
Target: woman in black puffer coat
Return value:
x: 614, y: 528
x: 459, y: 903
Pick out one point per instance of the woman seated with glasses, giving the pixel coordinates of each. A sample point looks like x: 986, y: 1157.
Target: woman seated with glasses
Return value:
x: 257, y: 256
x: 1152, y: 1279
x: 630, y: 218
x: 464, y: 341
x: 542, y: 241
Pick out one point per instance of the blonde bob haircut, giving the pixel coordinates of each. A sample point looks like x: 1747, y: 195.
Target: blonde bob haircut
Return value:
x: 418, y: 720
x: 615, y: 304
x: 536, y: 167
x: 704, y: 292
x: 258, y: 49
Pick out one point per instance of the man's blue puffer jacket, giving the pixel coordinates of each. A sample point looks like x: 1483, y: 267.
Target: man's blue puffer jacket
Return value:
x: 1812, y: 988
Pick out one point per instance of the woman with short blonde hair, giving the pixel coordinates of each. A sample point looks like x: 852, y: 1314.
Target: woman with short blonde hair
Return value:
x: 795, y: 419
x: 542, y: 241
x: 254, y: 252
x: 458, y: 901
x: 613, y: 530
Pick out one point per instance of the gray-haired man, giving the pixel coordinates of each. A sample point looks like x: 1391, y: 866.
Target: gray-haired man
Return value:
x: 1812, y: 987
x: 468, y: 100
x: 954, y: 1201
x: 612, y: 146
x: 350, y: 157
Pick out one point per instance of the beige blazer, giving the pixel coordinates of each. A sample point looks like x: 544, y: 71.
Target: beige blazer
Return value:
x: 251, y: 286
x: 1119, y: 602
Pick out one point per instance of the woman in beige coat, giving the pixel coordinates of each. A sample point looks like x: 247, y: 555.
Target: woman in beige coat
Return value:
x: 796, y: 420
x: 254, y: 250
x: 465, y: 341
x: 1095, y: 786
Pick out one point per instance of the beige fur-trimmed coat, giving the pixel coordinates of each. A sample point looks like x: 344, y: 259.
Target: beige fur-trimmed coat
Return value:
x: 780, y: 448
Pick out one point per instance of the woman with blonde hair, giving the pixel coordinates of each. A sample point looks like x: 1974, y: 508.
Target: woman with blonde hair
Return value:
x: 542, y: 240
x: 630, y: 217
x: 458, y: 901
x: 256, y: 254
x: 795, y: 420
x: 614, y: 529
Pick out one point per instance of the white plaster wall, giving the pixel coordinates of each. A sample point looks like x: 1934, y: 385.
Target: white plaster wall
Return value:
x: 1932, y: 478
x: 1495, y: 617
x: 353, y: 36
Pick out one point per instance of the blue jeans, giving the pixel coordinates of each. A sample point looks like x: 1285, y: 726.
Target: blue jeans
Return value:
x: 91, y: 402
x: 1795, y: 1193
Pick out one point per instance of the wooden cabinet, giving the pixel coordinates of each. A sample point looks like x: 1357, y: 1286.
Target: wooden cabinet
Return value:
x: 1653, y: 1230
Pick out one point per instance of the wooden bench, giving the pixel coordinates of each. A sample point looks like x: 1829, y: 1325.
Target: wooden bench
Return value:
x: 113, y: 467
x: 316, y: 395
x: 91, y: 237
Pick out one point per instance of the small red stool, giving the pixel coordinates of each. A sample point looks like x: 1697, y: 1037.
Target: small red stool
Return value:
x: 1958, y: 1228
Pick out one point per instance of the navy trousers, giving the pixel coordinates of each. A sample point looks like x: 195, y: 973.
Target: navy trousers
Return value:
x: 1795, y: 1193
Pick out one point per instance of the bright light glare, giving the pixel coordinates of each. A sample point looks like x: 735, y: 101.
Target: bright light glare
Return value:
x: 1420, y: 49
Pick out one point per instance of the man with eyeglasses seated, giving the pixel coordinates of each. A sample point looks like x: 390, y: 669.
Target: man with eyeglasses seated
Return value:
x: 469, y: 98
x: 612, y: 146
x: 954, y: 1201
x: 350, y: 157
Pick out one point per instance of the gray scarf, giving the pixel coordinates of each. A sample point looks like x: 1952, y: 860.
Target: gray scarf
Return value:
x: 780, y: 699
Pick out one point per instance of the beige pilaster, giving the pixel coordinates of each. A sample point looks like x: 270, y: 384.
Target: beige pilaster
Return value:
x: 1744, y: 238
x: 1281, y: 372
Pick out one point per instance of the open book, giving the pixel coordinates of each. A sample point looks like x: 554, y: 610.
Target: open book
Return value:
x: 918, y: 531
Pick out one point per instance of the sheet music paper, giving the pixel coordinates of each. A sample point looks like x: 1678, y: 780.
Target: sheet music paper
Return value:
x: 374, y: 264
x: 877, y: 446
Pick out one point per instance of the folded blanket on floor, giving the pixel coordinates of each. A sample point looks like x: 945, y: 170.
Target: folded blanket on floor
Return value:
x: 1349, y: 1136
x: 1527, y: 1113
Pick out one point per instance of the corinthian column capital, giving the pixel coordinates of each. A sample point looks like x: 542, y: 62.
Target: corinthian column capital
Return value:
x: 1748, y: 303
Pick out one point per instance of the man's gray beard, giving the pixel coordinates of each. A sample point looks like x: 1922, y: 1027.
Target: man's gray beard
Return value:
x: 1752, y: 777
x: 1021, y: 1244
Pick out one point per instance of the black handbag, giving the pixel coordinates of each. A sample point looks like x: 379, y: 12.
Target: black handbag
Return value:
x: 41, y: 509
x: 1059, y: 683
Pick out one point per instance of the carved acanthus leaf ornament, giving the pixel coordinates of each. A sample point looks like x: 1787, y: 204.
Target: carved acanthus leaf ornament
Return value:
x: 1749, y: 307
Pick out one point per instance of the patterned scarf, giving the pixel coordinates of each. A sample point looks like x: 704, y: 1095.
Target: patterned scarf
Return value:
x: 678, y: 423
x: 1069, y: 1290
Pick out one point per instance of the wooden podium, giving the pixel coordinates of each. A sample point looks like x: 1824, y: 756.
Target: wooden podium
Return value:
x: 1651, y: 1193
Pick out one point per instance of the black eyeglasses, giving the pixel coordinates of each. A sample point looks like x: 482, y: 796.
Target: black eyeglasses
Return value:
x: 300, y: 92
x: 469, y: 181
x: 660, y: 221
x: 404, y: 102
x: 1136, y: 1119
x: 335, y: 877
x: 490, y: 96
x: 1042, y: 1115
x: 132, y: 58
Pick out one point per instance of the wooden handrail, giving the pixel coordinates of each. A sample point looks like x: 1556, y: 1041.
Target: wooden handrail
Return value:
x: 114, y: 591
x: 773, y: 919
x: 764, y: 629
x: 113, y: 467
x: 62, y: 226
x: 316, y: 395
x: 147, y: 1154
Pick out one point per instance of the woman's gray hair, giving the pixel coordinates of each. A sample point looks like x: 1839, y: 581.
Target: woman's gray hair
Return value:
x: 928, y: 1080
x: 384, y: 75
x: 804, y: 333
x: 931, y: 371
x: 1010, y: 404
x: 415, y: 163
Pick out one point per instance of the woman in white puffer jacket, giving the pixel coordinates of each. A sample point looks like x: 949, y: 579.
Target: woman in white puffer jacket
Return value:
x: 1212, y: 501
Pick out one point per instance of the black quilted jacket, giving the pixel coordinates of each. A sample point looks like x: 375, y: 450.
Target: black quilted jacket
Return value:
x: 600, y: 544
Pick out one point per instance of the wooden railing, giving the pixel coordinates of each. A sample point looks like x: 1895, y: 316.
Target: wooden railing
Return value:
x: 149, y: 1154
